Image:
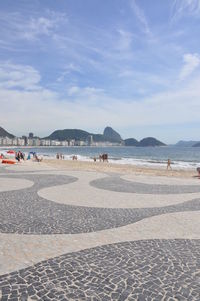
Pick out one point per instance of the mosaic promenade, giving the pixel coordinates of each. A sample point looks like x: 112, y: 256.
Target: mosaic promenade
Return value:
x: 74, y: 235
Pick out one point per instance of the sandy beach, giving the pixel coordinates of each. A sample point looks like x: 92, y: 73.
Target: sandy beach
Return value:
x: 107, y: 167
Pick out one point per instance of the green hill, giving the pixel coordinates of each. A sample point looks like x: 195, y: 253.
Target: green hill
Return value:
x: 196, y: 144
x: 68, y: 134
x: 131, y: 142
x: 150, y: 141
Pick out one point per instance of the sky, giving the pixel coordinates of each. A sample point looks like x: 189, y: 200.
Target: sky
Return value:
x: 133, y: 65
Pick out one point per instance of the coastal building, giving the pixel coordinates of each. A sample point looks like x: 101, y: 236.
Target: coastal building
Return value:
x: 20, y: 142
x: 55, y: 143
x: 6, y: 141
x: 90, y: 140
x: 80, y: 143
x: 25, y: 140
x: 71, y: 142
x: 45, y: 142
x: 65, y: 143
x: 34, y: 142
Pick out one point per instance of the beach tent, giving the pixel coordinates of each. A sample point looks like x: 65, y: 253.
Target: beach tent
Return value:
x: 30, y: 155
x: 8, y: 153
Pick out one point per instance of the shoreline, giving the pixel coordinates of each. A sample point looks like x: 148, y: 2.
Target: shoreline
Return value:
x: 106, y: 167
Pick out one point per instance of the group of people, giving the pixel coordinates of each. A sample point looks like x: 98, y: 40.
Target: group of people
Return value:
x: 103, y: 157
x: 60, y: 156
x: 19, y: 156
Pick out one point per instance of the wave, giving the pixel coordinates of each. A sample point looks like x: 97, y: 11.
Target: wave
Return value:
x: 135, y: 161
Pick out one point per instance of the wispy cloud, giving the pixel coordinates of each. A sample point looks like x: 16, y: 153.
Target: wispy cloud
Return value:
x: 86, y: 93
x: 68, y: 69
x: 191, y: 63
x: 182, y: 8
x: 119, y: 68
x: 18, y: 76
x: 29, y: 27
x: 91, y: 107
x: 139, y: 13
x: 125, y: 39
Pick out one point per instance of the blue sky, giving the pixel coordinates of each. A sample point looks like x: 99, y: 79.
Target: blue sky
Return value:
x: 130, y: 64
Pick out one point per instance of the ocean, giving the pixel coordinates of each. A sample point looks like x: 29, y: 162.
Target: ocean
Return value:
x: 181, y: 157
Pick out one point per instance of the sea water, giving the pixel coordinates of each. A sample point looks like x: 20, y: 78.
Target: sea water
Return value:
x: 181, y: 157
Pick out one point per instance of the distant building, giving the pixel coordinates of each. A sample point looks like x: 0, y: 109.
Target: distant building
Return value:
x: 64, y: 143
x: 25, y: 140
x: 20, y: 142
x: 90, y: 140
x: 44, y: 142
x: 71, y: 142
x: 34, y: 142
x: 7, y: 141
x: 55, y: 143
x: 80, y: 143
x: 31, y: 135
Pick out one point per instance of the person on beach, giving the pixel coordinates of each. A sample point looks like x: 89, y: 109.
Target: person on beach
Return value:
x: 169, y: 164
x: 22, y: 156
x: 17, y: 157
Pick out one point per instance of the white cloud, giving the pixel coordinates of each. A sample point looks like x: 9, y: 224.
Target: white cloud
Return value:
x: 141, y: 17
x: 18, y: 76
x: 43, y: 110
x: 191, y: 62
x: 43, y: 25
x: 38, y: 26
x: 125, y: 39
x: 17, y: 27
x: 181, y: 8
x: 73, y: 90
x: 70, y: 68
x: 86, y: 94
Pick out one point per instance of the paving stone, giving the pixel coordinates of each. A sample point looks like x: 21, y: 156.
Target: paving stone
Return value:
x: 115, y: 183
x: 24, y: 212
x: 156, y: 286
x: 139, y: 270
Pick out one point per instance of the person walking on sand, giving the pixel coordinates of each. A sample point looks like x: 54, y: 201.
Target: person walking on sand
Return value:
x: 169, y: 164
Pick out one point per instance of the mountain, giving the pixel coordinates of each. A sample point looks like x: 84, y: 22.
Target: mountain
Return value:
x: 109, y: 135
x: 150, y: 141
x: 131, y: 142
x: 112, y: 135
x: 183, y: 143
x: 68, y: 134
x: 4, y: 133
x: 196, y: 144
